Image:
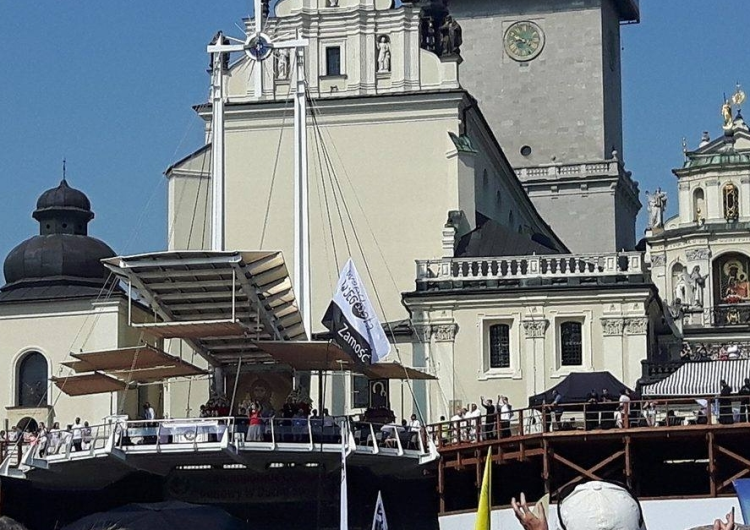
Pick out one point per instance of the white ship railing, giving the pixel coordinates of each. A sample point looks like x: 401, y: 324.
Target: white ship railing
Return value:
x: 196, y: 435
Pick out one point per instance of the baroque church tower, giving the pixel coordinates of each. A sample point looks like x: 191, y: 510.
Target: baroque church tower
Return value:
x: 547, y: 76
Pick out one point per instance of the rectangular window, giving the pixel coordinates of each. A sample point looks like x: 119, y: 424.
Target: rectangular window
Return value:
x: 360, y: 391
x: 333, y: 60
x: 571, y: 344
x: 500, y: 346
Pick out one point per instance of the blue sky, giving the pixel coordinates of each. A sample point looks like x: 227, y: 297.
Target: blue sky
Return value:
x: 109, y: 86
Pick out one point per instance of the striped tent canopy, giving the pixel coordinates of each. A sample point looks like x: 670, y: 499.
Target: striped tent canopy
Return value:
x: 700, y: 378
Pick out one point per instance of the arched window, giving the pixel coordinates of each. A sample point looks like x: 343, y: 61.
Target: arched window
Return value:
x: 32, y: 381
x: 510, y: 219
x: 500, y: 346
x: 699, y: 205
x: 731, y: 202
x: 571, y: 344
x: 485, y: 179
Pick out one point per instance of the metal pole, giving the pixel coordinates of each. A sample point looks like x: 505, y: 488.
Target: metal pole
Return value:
x: 217, y: 151
x: 258, y: 14
x: 301, y: 198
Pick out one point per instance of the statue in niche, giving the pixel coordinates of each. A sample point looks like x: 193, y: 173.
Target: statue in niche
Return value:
x: 282, y: 64
x: 657, y: 203
x: 333, y: 3
x: 697, y: 284
x: 451, y: 36
x: 384, y: 55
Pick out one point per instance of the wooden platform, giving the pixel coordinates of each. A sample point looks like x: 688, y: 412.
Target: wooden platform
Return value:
x: 656, y: 462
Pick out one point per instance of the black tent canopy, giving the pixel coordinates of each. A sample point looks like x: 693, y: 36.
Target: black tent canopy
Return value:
x: 577, y: 385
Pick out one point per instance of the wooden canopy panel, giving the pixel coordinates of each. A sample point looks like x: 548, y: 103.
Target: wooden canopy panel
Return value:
x: 309, y: 356
x: 159, y: 373
x: 329, y: 357
x: 87, y: 384
x: 135, y: 358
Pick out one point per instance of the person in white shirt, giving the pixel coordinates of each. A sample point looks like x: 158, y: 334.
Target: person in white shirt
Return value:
x: 414, y: 425
x: 456, y: 424
x: 506, y: 414
x: 78, y: 435
x: 475, y: 416
x: 625, y: 405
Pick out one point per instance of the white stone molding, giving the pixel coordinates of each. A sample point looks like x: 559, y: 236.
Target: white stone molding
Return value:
x: 445, y: 332
x: 535, y: 329
x: 612, y: 326
x: 636, y: 326
x: 698, y: 254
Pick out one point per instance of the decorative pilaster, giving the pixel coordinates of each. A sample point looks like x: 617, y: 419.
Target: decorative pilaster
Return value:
x: 636, y: 326
x: 535, y: 329
x: 445, y: 332
x: 612, y: 327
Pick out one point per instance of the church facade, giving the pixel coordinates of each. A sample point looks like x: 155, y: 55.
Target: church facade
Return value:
x: 699, y: 258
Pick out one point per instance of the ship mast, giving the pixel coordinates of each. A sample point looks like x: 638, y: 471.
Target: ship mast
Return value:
x: 259, y: 47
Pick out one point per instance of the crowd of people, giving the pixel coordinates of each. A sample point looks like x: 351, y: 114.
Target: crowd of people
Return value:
x: 52, y: 440
x: 703, y: 352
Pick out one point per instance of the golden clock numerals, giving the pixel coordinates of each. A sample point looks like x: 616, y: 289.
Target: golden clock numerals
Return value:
x: 524, y: 41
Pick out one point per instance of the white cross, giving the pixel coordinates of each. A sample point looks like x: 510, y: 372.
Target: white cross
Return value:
x: 259, y: 47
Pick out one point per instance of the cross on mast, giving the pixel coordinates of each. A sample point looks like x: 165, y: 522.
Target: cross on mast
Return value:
x: 259, y: 47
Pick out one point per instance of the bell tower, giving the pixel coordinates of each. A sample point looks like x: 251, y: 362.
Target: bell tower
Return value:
x: 547, y: 77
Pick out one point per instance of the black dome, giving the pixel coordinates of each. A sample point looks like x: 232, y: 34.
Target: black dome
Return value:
x: 63, y: 196
x: 62, y: 254
x: 56, y: 256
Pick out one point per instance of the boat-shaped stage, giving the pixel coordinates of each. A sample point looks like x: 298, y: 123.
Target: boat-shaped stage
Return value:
x: 117, y: 449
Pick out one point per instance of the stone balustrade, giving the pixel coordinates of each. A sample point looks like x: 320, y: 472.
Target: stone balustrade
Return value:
x: 522, y: 267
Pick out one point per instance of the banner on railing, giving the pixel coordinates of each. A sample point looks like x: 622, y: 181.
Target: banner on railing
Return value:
x: 352, y: 319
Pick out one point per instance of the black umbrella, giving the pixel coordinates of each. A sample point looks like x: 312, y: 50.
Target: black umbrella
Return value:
x: 171, y: 515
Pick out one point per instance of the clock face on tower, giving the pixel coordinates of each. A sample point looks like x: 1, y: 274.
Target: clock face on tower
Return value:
x: 524, y: 41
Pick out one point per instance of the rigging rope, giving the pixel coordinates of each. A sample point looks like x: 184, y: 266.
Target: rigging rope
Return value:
x: 337, y: 187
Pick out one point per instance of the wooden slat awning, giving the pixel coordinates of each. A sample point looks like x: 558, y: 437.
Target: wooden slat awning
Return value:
x: 87, y: 384
x: 135, y: 358
x: 114, y: 369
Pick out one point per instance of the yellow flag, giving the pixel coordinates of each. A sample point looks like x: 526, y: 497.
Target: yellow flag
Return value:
x: 484, y: 510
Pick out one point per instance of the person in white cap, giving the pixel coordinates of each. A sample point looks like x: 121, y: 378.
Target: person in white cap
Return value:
x: 593, y: 505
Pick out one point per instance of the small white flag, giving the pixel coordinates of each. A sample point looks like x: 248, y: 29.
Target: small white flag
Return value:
x: 379, y: 521
x: 352, y: 319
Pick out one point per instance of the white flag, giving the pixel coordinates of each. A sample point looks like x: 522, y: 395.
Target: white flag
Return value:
x: 379, y: 521
x: 352, y: 319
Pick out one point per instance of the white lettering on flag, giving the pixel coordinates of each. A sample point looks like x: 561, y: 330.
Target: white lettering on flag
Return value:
x: 352, y: 319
